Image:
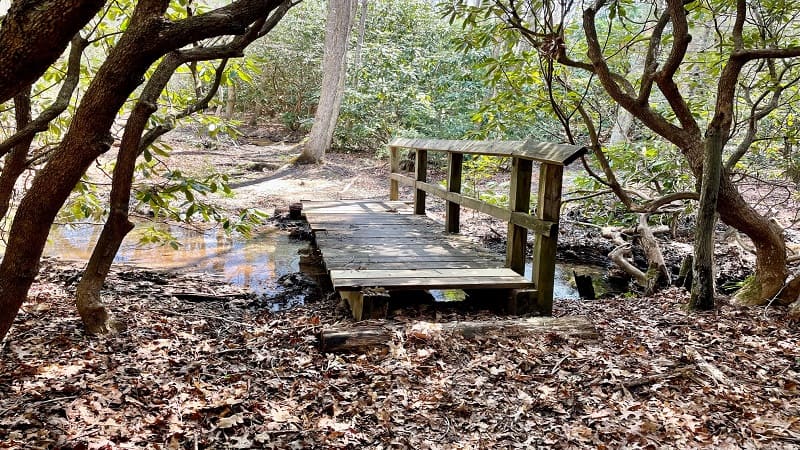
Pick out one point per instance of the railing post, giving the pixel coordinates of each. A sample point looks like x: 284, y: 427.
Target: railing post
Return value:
x: 544, y: 252
x: 421, y: 167
x: 394, y: 167
x: 454, y: 166
x: 519, y: 199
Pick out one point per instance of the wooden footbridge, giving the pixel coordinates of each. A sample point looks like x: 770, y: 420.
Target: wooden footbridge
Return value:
x: 373, y: 247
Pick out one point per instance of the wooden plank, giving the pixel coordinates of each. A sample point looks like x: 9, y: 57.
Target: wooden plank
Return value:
x: 361, y: 205
x: 361, y: 219
x: 394, y: 167
x: 543, y: 152
x: 354, y: 299
x: 373, y: 233
x: 402, y: 179
x: 365, y: 260
x: 374, y: 253
x: 421, y: 168
x: 453, y: 214
x: 511, y: 282
x: 422, y: 273
x: 519, y: 200
x: 420, y: 264
x: 549, y: 153
x: 410, y: 244
x: 532, y: 223
x: 357, y: 239
x: 544, y: 252
x: 495, y: 148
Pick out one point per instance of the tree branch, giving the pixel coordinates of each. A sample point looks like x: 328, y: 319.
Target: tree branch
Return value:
x: 600, y: 67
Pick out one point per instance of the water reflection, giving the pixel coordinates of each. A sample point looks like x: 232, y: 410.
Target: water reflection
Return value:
x: 254, y: 264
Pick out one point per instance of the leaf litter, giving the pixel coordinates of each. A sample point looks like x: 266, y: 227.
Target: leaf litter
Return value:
x: 230, y: 374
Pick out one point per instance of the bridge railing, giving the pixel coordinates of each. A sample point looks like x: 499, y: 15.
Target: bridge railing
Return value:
x: 544, y: 221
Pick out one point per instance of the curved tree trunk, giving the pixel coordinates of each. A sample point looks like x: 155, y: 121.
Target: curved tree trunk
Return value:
x: 96, y: 317
x: 87, y: 138
x: 771, y: 269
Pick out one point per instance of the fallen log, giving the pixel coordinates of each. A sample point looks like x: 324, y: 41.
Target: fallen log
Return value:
x: 359, y: 339
x: 363, y: 338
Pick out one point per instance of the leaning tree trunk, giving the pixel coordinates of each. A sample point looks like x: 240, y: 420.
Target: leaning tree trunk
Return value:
x: 334, y: 68
x: 703, y: 263
x: 34, y: 34
x: 95, y: 316
x: 771, y: 269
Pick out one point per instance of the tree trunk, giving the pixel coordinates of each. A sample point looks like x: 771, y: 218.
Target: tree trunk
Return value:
x: 96, y: 319
x: 703, y: 267
x: 771, y: 269
x: 88, y: 300
x: 87, y: 138
x: 15, y: 162
x: 230, y: 100
x: 361, y: 339
x: 334, y: 68
x: 34, y: 34
x: 362, y: 30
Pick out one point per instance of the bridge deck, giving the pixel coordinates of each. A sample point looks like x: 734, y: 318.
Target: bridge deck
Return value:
x: 373, y: 243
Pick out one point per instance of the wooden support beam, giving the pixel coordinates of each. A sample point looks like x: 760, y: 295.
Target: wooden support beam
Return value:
x: 394, y: 165
x: 355, y: 299
x: 454, y: 168
x: 368, y: 303
x: 421, y: 167
x: 521, y: 301
x: 544, y: 253
x: 519, y: 201
x: 519, y: 218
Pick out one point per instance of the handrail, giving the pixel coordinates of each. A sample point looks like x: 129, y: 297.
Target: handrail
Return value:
x: 543, y: 152
x: 552, y: 157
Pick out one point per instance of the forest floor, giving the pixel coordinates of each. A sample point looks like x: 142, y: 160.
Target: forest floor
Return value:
x: 226, y: 371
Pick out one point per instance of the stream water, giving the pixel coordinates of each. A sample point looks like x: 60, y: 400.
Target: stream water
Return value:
x: 254, y: 264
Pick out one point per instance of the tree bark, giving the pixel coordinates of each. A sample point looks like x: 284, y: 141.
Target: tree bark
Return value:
x: 334, y: 68
x: 34, y: 34
x: 15, y: 161
x: 702, y: 296
x: 362, y: 30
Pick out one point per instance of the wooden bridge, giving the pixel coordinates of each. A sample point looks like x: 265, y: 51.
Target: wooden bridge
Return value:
x: 372, y: 247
